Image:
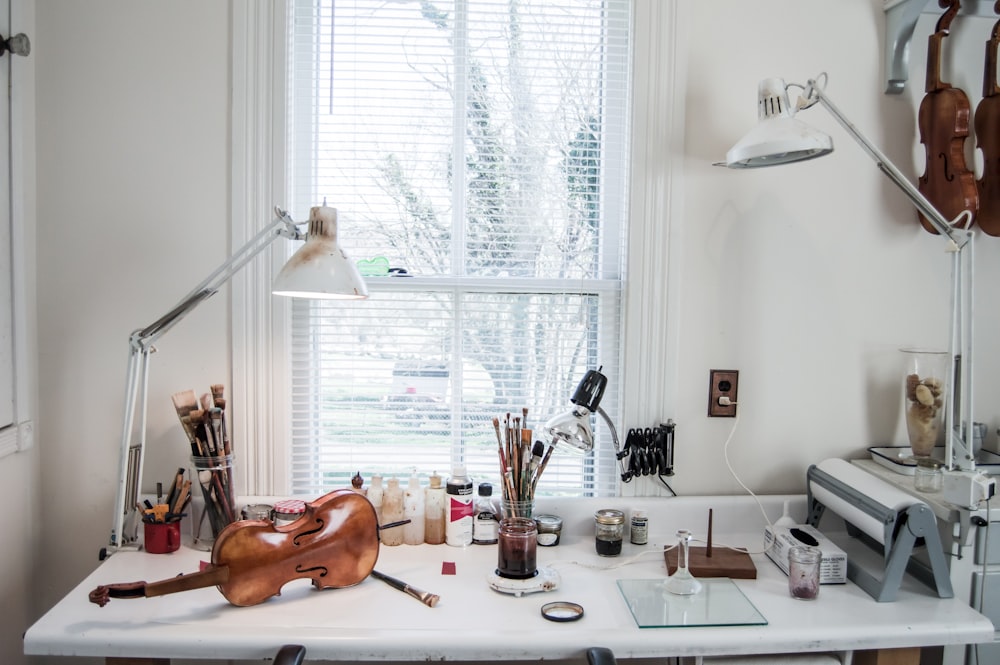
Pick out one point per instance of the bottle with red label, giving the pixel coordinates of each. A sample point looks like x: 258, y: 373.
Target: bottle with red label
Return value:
x: 459, y: 509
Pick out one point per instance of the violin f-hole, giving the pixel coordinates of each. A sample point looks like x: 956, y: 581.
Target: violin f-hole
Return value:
x: 948, y: 175
x: 323, y: 570
x: 319, y: 527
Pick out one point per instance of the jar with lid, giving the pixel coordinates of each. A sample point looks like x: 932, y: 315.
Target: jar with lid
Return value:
x: 288, y: 510
x: 927, y: 477
x: 609, y: 529
x: 549, y: 529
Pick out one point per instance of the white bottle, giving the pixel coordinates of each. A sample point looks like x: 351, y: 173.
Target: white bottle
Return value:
x: 413, y: 510
x: 458, y: 511
x: 375, y: 491
x: 434, y: 503
x: 392, y: 511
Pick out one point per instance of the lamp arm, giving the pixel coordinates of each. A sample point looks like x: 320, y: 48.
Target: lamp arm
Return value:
x: 281, y: 226
x: 124, y: 525
x: 943, y: 226
x: 959, y: 453
x: 614, y: 439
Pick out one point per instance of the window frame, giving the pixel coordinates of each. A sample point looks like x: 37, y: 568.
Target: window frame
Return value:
x: 260, y: 321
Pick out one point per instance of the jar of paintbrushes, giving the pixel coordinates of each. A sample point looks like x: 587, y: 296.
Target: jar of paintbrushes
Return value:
x: 521, y: 464
x: 213, y: 504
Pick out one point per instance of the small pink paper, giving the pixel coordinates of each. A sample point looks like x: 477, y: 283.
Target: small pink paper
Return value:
x: 447, y: 567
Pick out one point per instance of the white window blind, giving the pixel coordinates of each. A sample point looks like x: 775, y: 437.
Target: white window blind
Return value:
x: 477, y: 153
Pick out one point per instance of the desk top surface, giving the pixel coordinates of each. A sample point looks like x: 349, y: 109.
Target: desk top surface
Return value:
x: 373, y: 621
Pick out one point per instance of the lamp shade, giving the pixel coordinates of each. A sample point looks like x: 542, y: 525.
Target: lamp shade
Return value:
x: 320, y: 269
x: 779, y: 137
x: 571, y: 431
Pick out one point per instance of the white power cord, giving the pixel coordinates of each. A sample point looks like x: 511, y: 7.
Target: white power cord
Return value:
x: 724, y: 401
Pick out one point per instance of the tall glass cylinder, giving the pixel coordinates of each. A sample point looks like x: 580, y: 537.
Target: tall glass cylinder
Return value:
x: 213, y: 504
x: 925, y: 375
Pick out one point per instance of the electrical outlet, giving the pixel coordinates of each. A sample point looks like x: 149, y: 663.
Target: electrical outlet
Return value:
x: 722, y: 383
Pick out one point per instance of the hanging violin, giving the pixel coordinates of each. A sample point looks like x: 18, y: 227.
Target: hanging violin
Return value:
x: 335, y: 544
x: 944, y: 125
x: 987, y: 124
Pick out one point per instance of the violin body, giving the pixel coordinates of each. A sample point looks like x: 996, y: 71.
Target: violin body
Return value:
x: 944, y: 127
x: 335, y: 544
x: 987, y: 125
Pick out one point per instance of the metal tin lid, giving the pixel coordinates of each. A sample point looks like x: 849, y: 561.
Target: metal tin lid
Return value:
x: 290, y: 506
x: 548, y: 523
x: 609, y: 516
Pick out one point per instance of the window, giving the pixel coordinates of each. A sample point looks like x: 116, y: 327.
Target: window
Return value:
x: 482, y: 147
x: 479, y: 145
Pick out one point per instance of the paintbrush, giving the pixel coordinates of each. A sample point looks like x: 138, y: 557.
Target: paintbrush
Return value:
x: 184, y: 403
x: 537, y: 451
x: 541, y: 467
x: 425, y: 597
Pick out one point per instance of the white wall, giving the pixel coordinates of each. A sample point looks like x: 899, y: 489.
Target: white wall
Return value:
x: 806, y: 278
x: 133, y: 129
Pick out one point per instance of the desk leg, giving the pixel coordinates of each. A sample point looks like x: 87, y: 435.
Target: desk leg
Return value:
x: 136, y: 661
x: 904, y: 656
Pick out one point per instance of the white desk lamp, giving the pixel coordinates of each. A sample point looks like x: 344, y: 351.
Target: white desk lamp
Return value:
x: 780, y: 138
x: 319, y: 269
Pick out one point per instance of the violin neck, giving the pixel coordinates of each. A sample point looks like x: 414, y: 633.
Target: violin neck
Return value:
x: 210, y: 576
x: 990, y: 87
x: 934, y: 82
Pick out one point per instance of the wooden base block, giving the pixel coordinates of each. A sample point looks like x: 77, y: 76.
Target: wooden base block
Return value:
x: 724, y: 562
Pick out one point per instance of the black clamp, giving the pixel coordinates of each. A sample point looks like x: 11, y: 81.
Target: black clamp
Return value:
x: 650, y: 451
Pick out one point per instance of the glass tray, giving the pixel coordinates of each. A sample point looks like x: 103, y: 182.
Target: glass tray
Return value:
x: 900, y: 460
x: 720, y: 603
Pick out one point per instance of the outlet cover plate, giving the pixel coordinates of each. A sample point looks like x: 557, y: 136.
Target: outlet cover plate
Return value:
x: 722, y: 383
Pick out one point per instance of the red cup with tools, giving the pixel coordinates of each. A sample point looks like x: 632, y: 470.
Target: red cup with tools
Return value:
x: 162, y: 537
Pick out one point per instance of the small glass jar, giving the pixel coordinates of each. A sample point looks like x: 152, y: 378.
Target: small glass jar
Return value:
x: 288, y: 510
x: 517, y: 549
x: 803, y: 572
x: 257, y: 511
x: 609, y: 529
x: 927, y: 477
x: 549, y: 529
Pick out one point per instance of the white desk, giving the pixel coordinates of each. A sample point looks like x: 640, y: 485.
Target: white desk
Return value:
x: 374, y: 622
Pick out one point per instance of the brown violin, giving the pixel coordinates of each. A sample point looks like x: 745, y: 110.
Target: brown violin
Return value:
x: 335, y: 544
x: 944, y: 126
x: 987, y: 123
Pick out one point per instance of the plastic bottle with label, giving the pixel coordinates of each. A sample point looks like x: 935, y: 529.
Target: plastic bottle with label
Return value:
x: 458, y: 509
x: 413, y: 510
x: 434, y: 503
x: 392, y: 511
x: 485, y: 523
